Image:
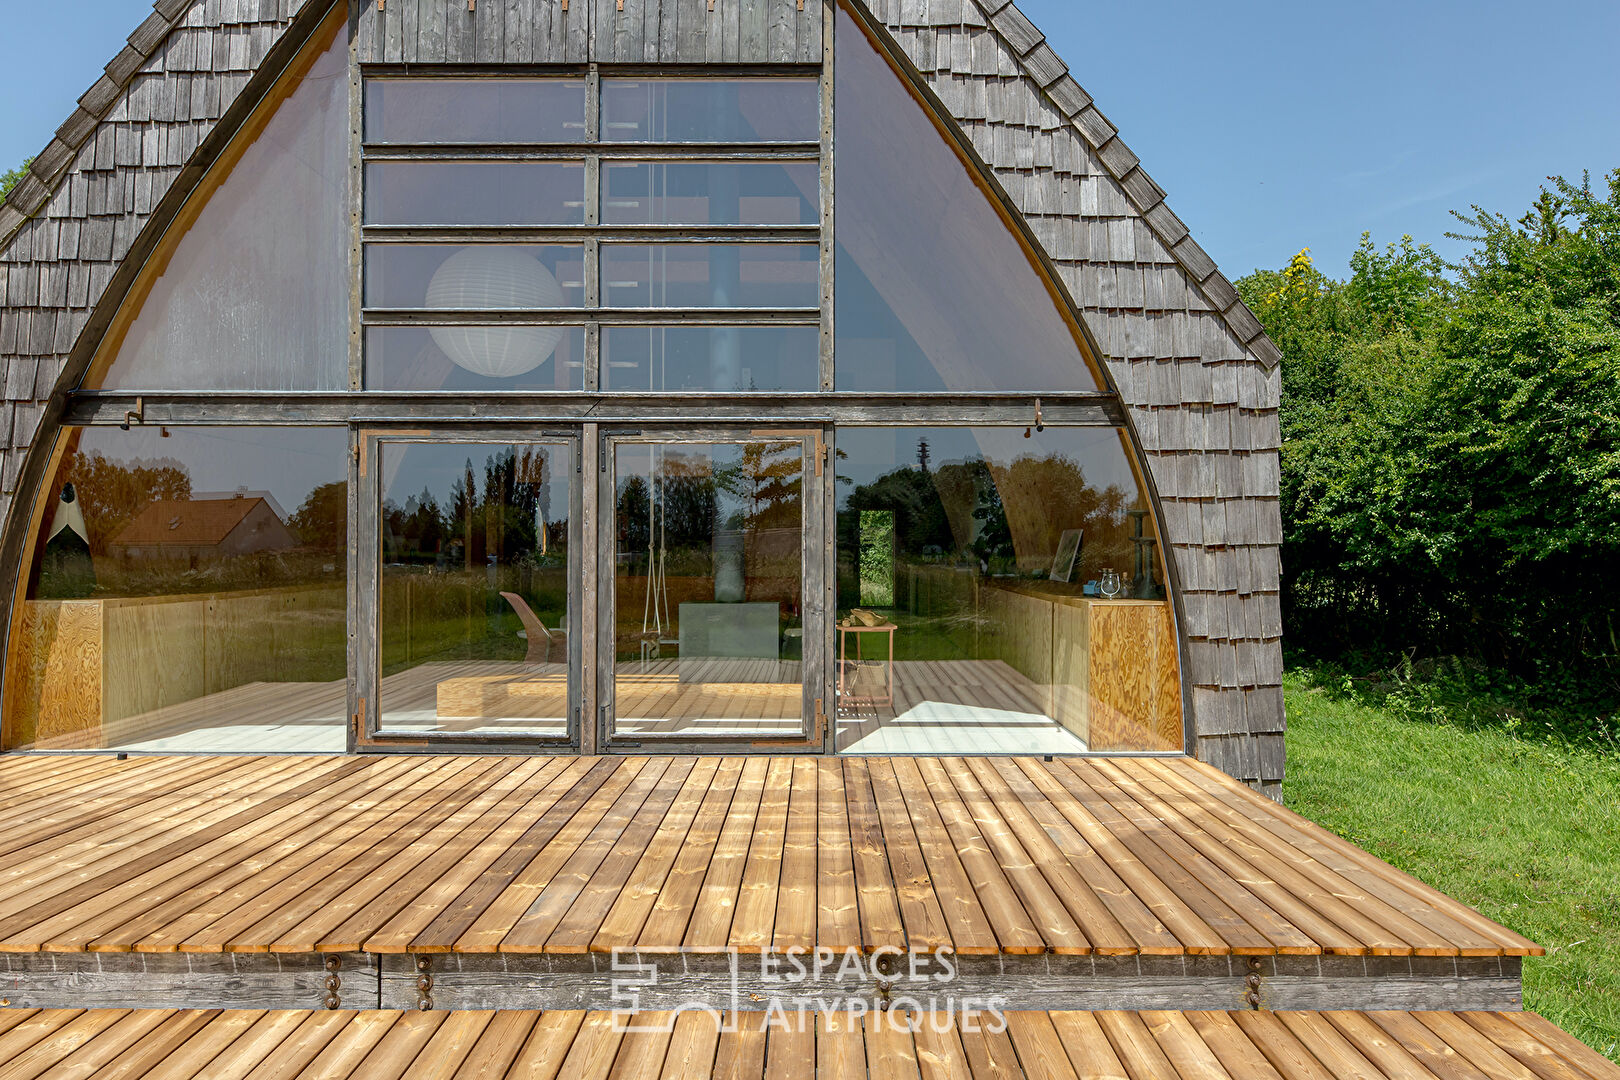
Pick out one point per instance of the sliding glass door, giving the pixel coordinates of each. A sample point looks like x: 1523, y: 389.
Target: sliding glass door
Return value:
x: 473, y: 587
x: 709, y: 586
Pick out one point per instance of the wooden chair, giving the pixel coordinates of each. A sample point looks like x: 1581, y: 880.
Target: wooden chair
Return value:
x: 540, y: 639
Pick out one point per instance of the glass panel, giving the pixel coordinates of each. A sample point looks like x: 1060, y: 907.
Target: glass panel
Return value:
x: 475, y: 193
x: 711, y: 110
x: 708, y: 558
x: 473, y: 628
x: 711, y: 357
x: 475, y: 277
x: 710, y: 193
x: 187, y: 593
x: 935, y: 292
x: 475, y: 357
x: 254, y: 296
x: 479, y: 110
x: 1017, y: 593
x: 710, y: 275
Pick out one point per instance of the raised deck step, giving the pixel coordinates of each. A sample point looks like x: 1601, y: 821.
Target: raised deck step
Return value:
x: 592, y: 1046
x: 1107, y: 858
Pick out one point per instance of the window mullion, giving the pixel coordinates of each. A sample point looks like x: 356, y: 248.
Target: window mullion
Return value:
x: 593, y: 218
x: 829, y: 252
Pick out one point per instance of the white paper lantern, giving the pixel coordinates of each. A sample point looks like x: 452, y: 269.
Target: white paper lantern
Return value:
x: 495, y: 277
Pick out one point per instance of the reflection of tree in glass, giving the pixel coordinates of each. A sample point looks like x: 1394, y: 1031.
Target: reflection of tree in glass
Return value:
x: 110, y: 493
x: 1044, y: 496
x: 322, y: 522
x: 767, y: 479
x: 1009, y: 517
x: 503, y: 517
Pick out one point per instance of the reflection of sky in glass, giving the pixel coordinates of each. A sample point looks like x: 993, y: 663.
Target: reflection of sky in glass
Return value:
x: 289, y: 463
x: 874, y: 452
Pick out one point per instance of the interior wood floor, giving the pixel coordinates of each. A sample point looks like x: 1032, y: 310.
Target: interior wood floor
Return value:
x: 486, y: 854
x: 743, y: 1046
x: 940, y: 707
x: 952, y: 707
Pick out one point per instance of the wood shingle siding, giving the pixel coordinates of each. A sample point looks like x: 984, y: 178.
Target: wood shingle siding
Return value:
x: 1191, y: 363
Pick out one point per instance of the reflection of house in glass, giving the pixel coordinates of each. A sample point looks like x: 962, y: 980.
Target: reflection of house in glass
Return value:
x: 205, y: 527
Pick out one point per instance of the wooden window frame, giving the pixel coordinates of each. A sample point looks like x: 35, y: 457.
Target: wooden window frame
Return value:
x: 816, y: 549
x: 365, y: 589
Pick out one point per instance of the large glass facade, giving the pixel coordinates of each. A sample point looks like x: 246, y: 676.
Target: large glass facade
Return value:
x: 632, y: 456
x: 187, y: 593
x: 1000, y: 593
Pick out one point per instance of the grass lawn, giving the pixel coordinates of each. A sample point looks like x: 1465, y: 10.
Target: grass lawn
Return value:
x: 1527, y: 832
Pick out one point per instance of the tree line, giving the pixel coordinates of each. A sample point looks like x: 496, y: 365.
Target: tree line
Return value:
x: 1451, y: 447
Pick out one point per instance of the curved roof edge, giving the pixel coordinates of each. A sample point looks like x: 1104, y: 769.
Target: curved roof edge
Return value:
x: 51, y: 165
x: 1041, y: 63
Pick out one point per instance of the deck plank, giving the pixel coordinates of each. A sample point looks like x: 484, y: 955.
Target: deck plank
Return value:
x: 453, y: 919
x: 716, y: 903
x: 671, y: 912
x: 755, y: 919
x: 1057, y: 926
x: 1233, y: 892
x: 401, y: 926
x: 920, y: 902
x: 599, y: 819
x: 964, y: 915
x: 624, y: 826
x: 630, y: 904
x: 794, y: 925
x: 879, y: 903
x: 837, y: 911
x: 1013, y: 926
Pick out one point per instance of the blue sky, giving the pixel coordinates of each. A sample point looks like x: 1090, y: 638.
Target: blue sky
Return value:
x: 1272, y: 126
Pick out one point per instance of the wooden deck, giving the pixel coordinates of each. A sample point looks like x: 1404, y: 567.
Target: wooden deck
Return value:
x: 179, y: 1045
x: 437, y: 854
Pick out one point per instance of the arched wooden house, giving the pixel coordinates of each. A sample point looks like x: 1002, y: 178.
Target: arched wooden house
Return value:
x: 496, y: 487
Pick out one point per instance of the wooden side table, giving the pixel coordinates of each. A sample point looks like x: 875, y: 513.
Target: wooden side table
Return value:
x: 844, y: 664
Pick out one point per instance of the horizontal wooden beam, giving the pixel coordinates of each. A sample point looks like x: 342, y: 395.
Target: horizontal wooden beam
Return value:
x: 591, y: 981
x: 185, y: 980
x: 750, y: 982
x: 576, y: 234
x: 603, y: 316
x: 575, y: 151
x: 1086, y: 410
